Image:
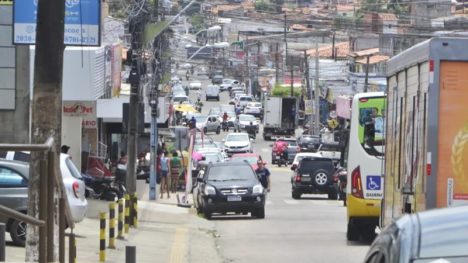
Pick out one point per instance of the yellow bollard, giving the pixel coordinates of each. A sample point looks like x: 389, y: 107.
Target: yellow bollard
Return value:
x: 127, y: 213
x: 112, y: 225
x: 120, y: 219
x: 72, y: 248
x: 102, y: 237
x: 135, y: 211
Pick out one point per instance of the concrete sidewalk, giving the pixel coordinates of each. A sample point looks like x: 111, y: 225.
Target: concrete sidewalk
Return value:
x: 165, y: 233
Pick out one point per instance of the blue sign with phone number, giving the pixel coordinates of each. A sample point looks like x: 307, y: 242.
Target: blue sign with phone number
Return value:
x: 82, y: 22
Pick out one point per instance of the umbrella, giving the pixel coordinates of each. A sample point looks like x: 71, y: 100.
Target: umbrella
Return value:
x: 185, y: 108
x: 196, y: 156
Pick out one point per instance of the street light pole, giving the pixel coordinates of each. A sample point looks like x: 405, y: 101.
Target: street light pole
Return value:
x: 154, y: 147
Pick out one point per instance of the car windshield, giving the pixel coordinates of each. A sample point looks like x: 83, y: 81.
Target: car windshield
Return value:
x: 310, y: 165
x: 246, y: 118
x: 212, y: 157
x: 231, y: 173
x: 309, y: 139
x: 237, y: 137
x: 179, y: 99
x: 292, y: 143
x: 246, y: 99
x: 201, y: 119
x: 249, y: 159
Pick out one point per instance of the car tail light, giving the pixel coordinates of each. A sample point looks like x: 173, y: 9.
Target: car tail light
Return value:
x: 356, y: 184
x: 76, y: 189
x: 298, y: 178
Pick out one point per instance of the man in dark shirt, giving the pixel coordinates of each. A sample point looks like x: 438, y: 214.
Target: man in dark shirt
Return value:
x: 263, y: 175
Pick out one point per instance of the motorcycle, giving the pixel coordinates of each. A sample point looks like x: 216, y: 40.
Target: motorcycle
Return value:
x: 341, y: 176
x: 283, y: 159
x: 225, y: 126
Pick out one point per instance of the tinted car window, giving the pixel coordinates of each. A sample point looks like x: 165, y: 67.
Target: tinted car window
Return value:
x: 310, y: 165
x: 21, y: 156
x: 230, y: 173
x: 11, y: 178
x: 3, y: 154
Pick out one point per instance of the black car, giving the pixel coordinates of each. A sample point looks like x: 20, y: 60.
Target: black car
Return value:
x: 229, y: 187
x: 314, y: 175
x: 308, y: 143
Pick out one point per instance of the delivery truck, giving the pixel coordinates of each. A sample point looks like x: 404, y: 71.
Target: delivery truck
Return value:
x: 280, y: 117
x: 426, y: 146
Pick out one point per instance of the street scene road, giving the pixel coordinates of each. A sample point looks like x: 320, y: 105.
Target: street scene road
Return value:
x: 233, y: 131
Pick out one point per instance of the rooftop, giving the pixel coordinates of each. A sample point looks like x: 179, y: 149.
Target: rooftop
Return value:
x: 326, y: 51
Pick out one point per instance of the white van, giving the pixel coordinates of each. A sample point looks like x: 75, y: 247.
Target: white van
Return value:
x: 212, y: 92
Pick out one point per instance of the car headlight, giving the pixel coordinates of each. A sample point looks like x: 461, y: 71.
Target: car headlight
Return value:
x: 257, y: 189
x: 210, y: 190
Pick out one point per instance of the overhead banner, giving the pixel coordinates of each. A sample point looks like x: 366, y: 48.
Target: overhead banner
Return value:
x: 82, y: 22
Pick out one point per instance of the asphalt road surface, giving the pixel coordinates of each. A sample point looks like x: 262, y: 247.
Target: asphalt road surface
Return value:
x: 312, y: 229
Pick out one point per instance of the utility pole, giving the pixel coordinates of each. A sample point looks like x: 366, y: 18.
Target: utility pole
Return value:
x: 292, y: 81
x: 333, y: 47
x: 246, y: 54
x: 307, y: 77
x: 46, y: 117
x: 317, y: 92
x: 366, y: 80
x: 258, y: 68
x: 285, y: 46
x: 136, y: 26
x: 276, y: 64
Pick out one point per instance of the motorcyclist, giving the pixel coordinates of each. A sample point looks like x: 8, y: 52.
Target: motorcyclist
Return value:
x: 251, y: 130
x: 225, y: 120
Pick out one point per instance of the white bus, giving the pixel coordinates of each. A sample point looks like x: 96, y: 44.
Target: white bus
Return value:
x: 365, y: 155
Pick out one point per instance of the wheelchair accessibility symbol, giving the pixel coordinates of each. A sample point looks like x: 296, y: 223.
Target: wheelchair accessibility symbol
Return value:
x: 373, y: 182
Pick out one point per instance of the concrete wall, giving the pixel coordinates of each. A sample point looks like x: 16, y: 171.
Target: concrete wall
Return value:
x: 14, y: 84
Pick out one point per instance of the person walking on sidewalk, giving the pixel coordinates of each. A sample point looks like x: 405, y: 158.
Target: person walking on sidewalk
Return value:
x: 175, y: 164
x: 164, y: 174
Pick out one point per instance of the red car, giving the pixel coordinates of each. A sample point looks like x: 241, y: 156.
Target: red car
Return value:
x: 251, y: 158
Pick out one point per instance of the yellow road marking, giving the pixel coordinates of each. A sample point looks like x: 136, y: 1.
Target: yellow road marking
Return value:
x: 178, y: 246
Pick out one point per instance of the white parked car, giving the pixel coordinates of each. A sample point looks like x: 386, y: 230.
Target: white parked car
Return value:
x: 195, y: 85
x: 243, y: 100
x: 228, y: 84
x: 237, y: 143
x: 212, y: 92
x: 253, y: 108
x: 244, y: 120
x: 72, y: 180
x: 180, y: 98
x: 208, y: 124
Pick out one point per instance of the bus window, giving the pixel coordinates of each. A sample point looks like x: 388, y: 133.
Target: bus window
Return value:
x: 371, y: 125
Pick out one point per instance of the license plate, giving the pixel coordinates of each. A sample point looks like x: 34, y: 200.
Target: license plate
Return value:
x: 305, y: 179
x: 234, y: 198
x: 277, y: 157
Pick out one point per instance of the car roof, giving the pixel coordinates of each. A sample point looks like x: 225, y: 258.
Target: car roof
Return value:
x: 452, y: 226
x: 309, y: 154
x: 245, y: 155
x: 235, y: 163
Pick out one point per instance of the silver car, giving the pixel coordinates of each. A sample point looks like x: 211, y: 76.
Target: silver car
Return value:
x: 14, y: 176
x: 439, y: 235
